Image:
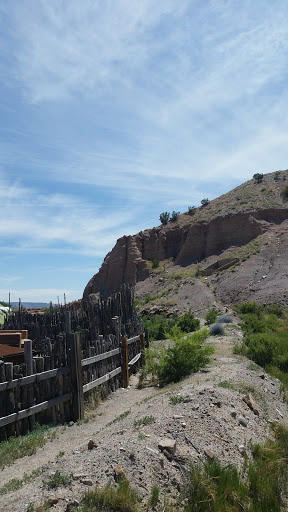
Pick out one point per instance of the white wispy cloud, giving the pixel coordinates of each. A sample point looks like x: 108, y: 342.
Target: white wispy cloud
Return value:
x: 115, y: 111
x: 68, y: 47
x: 56, y: 222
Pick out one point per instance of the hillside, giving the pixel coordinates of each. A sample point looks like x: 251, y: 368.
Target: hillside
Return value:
x: 248, y: 224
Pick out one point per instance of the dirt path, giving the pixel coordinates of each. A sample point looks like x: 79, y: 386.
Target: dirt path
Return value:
x: 206, y: 419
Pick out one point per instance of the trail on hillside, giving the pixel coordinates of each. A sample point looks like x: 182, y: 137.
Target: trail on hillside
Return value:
x: 129, y: 426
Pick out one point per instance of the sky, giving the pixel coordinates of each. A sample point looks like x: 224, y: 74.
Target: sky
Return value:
x: 114, y: 111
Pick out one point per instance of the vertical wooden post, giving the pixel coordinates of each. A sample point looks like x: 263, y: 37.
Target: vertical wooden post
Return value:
x: 67, y: 322
x: 76, y: 376
x: 28, y: 360
x: 146, y: 338
x: 142, y: 347
x: 125, y: 369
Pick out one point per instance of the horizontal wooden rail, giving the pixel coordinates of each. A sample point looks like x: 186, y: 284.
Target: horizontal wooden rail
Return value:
x: 101, y: 380
x: 133, y: 340
x: 36, y: 377
x: 100, y: 357
x: 25, y: 413
x: 135, y: 359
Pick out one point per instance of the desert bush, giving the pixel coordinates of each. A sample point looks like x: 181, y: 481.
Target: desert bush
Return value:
x: 224, y: 319
x: 186, y: 356
x: 155, y: 263
x: 191, y: 210
x: 211, y: 316
x: 160, y: 327
x: 174, y: 216
x: 274, y: 309
x: 260, y: 348
x: 252, y: 324
x: 217, y: 330
x: 205, y: 201
x: 164, y: 217
x: 247, y: 307
x: 58, y: 479
x: 258, y: 177
x: 188, y: 323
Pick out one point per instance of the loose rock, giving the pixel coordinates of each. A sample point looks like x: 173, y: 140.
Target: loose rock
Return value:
x: 92, y: 444
x: 167, y: 444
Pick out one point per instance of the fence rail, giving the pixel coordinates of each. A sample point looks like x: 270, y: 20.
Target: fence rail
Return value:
x: 57, y: 395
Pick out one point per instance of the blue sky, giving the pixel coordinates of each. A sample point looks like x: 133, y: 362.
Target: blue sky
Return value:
x: 113, y: 111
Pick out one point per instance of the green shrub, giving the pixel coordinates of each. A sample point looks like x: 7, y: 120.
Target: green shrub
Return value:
x: 58, y: 479
x: 110, y: 499
x: 265, y: 338
x: 275, y: 310
x: 160, y: 327
x: 216, y: 330
x: 154, y: 497
x: 176, y: 399
x: 205, y: 201
x: 260, y: 348
x: 248, y: 307
x: 258, y: 177
x: 155, y: 263
x: 252, y: 324
x: 183, y: 358
x: 164, y: 217
x: 188, y: 323
x: 211, y: 316
x: 224, y: 319
x: 191, y: 210
x: 174, y: 216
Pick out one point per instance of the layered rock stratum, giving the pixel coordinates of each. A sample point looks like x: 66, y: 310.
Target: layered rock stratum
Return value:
x: 248, y: 223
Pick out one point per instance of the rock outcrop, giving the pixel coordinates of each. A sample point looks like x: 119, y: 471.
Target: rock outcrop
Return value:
x: 185, y: 243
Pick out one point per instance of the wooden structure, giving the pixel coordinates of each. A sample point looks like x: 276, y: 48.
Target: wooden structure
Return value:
x: 51, y: 388
x: 67, y: 359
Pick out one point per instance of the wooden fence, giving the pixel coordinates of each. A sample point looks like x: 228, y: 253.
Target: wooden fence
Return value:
x: 50, y: 387
x: 95, y: 317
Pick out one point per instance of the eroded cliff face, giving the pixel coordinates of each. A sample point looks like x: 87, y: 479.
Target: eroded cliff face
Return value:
x: 186, y: 244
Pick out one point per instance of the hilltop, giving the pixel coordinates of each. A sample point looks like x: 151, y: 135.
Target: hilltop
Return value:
x: 245, y: 231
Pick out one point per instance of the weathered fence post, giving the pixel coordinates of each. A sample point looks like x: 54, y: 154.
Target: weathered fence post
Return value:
x: 142, y: 347
x: 67, y: 322
x: 76, y: 376
x: 29, y: 390
x: 125, y: 369
x: 146, y: 338
x: 28, y: 358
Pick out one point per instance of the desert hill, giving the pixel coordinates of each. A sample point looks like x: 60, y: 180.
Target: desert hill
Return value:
x: 244, y: 233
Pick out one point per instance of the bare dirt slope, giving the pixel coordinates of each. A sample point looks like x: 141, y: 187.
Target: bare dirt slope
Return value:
x: 129, y: 426
x: 260, y: 275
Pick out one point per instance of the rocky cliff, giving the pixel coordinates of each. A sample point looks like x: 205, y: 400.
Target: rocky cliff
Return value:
x: 232, y: 220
